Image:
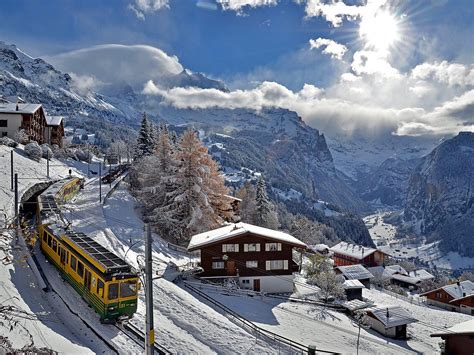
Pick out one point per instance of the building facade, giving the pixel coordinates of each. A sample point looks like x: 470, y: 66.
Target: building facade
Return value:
x: 350, y: 254
x: 457, y: 297
x: 260, y: 259
x: 459, y: 339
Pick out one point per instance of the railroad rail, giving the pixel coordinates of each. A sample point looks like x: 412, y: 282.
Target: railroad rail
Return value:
x: 131, y: 331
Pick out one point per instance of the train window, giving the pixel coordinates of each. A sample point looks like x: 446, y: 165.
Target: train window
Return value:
x: 45, y: 237
x: 128, y: 288
x: 49, y: 241
x: 55, y: 245
x: 80, y: 269
x: 113, y: 291
x: 73, y: 262
x: 100, y: 287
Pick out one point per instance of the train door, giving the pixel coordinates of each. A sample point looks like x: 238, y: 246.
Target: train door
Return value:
x: 62, y: 255
x: 88, y: 279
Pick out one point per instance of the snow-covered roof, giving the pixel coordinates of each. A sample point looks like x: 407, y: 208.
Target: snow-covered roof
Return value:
x: 352, y: 250
x: 457, y: 290
x: 421, y: 274
x: 54, y: 120
x: 461, y: 328
x: 350, y: 284
x: 392, y: 316
x: 407, y: 279
x: 22, y: 108
x: 236, y: 229
x: 392, y: 269
x: 355, y: 272
x: 356, y: 304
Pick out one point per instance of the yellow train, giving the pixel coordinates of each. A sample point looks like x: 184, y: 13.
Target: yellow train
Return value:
x: 102, y: 278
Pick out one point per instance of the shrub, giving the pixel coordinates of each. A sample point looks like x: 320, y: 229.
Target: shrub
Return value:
x: 21, y: 137
x: 34, y: 151
x: 46, y: 151
x: 8, y: 142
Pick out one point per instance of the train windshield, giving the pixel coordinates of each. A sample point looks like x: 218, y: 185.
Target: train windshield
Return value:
x: 128, y: 288
x: 113, y: 291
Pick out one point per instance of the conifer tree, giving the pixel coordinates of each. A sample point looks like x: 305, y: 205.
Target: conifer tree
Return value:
x: 248, y: 206
x: 145, y: 141
x: 266, y: 215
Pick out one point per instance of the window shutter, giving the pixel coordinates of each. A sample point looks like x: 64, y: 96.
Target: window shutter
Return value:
x: 285, y: 264
x: 267, y: 247
x: 279, y: 246
x: 246, y: 247
x: 236, y: 248
x: 267, y: 265
x: 223, y: 248
x: 258, y: 246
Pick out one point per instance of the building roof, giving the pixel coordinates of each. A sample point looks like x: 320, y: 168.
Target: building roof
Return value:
x: 356, y: 304
x: 352, y: 284
x: 22, y: 108
x: 236, y: 229
x: 393, y: 269
x: 407, y: 279
x: 421, y: 274
x: 352, y: 250
x: 355, y: 272
x: 456, y: 290
x: 54, y: 120
x: 457, y: 329
x: 392, y: 316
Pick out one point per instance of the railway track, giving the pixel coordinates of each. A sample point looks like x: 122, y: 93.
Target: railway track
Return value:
x: 136, y: 335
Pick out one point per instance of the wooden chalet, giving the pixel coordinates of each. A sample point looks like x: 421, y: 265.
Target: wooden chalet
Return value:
x: 390, y: 321
x: 54, y: 130
x: 29, y: 117
x: 350, y: 254
x: 459, y: 339
x: 260, y: 259
x: 458, y: 297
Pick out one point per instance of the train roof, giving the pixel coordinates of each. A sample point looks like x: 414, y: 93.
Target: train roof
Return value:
x: 110, y: 262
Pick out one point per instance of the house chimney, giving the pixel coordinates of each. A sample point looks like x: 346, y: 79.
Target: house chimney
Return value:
x: 388, y: 314
x: 17, y: 106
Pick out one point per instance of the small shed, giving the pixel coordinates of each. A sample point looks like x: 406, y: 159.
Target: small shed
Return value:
x: 355, y: 272
x: 458, y: 339
x: 353, y: 289
x: 390, y: 321
x: 405, y: 281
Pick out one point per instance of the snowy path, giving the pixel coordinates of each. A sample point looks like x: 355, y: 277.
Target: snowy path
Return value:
x: 183, y: 324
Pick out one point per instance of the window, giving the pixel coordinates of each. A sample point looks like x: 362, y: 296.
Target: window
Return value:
x: 80, y: 269
x: 272, y: 246
x: 252, y: 247
x: 3, y: 123
x: 128, y: 288
x: 230, y: 248
x: 276, y: 265
x: 45, y: 237
x: 113, y: 291
x: 217, y: 264
x: 246, y: 282
x: 55, y: 246
x: 100, y: 287
x: 73, y: 262
x: 50, y: 241
x: 251, y: 264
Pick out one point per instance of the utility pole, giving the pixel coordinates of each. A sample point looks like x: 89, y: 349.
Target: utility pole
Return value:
x: 150, y: 331
x: 100, y: 182
x: 11, y: 168
x: 17, y: 222
x: 47, y: 165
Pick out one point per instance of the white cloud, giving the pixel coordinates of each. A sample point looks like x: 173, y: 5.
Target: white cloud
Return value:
x: 372, y: 62
x: 448, y: 73
x: 143, y: 7
x: 114, y: 63
x: 239, y: 5
x: 84, y: 84
x: 332, y: 48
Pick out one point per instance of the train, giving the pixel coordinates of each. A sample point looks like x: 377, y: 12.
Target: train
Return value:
x: 104, y: 280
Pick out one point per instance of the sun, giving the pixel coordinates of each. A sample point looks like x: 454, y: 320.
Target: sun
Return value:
x: 380, y: 31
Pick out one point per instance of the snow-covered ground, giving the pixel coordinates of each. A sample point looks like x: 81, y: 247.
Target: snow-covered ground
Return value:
x: 55, y: 327
x: 383, y: 235
x: 183, y: 324
x: 430, y: 320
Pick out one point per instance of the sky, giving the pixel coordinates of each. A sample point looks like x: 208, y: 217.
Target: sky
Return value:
x: 403, y: 67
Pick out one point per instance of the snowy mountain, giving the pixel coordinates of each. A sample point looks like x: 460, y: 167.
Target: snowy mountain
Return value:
x: 440, y: 199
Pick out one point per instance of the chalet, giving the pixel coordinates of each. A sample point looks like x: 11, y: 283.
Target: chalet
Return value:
x: 351, y: 254
x: 405, y: 281
x: 353, y: 289
x: 17, y: 116
x: 421, y: 274
x: 355, y: 272
x: 259, y: 258
x: 54, y: 130
x: 321, y: 249
x: 390, y: 321
x: 459, y: 339
x: 457, y: 297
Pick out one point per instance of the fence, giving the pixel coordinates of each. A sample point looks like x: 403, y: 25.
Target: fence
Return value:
x: 421, y: 301
x: 293, y: 346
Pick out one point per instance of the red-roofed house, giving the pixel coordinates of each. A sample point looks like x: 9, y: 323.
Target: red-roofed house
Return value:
x: 455, y: 297
x: 350, y: 254
x: 259, y: 258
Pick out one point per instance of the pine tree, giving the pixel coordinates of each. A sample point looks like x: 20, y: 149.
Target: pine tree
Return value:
x: 266, y: 215
x: 248, y: 206
x: 145, y: 141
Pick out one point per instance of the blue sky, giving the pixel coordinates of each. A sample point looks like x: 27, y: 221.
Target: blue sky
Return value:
x: 270, y: 41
